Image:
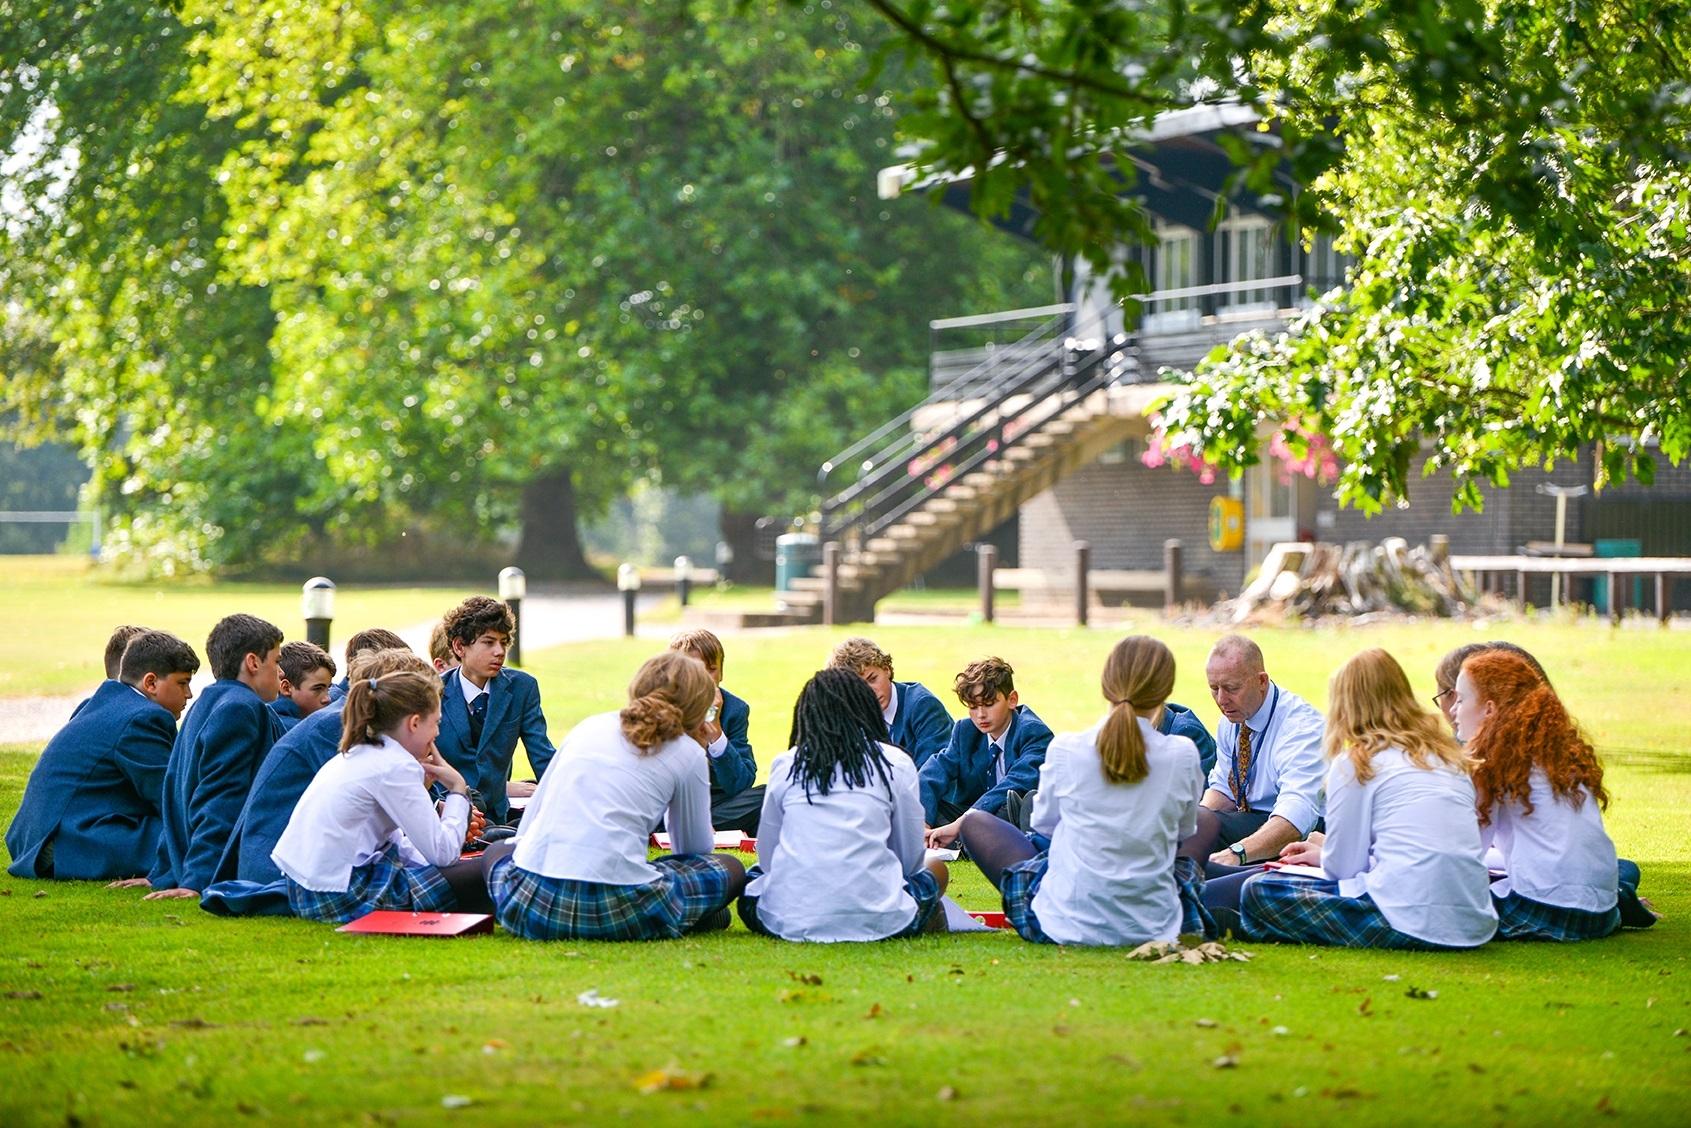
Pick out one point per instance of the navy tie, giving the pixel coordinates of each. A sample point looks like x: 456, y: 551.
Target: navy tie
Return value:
x: 478, y: 714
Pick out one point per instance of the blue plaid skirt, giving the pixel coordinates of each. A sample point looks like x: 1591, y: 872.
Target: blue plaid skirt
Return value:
x: 386, y: 883
x: 687, y: 890
x: 1310, y: 910
x: 1021, y: 881
x: 1522, y: 918
x: 923, y: 886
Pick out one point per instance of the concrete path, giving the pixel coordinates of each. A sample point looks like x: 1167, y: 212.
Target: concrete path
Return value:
x: 550, y: 617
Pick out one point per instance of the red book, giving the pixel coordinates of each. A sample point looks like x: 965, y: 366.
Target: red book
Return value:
x: 387, y: 922
x: 991, y: 920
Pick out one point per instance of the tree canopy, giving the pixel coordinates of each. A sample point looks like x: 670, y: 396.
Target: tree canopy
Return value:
x: 303, y: 271
x: 1511, y: 178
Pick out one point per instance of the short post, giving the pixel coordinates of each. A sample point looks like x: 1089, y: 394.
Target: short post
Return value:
x: 1438, y: 546
x: 1615, y: 599
x: 986, y: 563
x: 1172, y: 596
x: 1663, y: 590
x: 1521, y: 589
x: 683, y: 578
x: 628, y: 582
x: 1082, y: 566
x: 513, y: 588
x: 724, y: 561
x: 830, y: 583
x: 317, y: 604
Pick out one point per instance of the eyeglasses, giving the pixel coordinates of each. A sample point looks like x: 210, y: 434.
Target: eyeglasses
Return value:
x: 1438, y: 698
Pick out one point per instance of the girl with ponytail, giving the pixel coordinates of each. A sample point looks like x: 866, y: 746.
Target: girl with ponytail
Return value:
x: 1540, y: 796
x: 1114, y: 802
x: 839, y: 844
x: 578, y: 868
x: 365, y: 835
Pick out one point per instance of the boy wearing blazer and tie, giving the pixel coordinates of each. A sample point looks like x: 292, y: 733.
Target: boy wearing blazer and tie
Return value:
x: 994, y: 753
x: 485, y: 708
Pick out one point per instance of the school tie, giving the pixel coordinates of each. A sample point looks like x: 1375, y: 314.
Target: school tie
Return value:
x: 1241, y: 769
x: 478, y: 714
x: 995, y: 770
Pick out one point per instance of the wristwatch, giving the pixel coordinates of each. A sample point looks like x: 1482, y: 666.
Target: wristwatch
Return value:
x: 1239, y: 849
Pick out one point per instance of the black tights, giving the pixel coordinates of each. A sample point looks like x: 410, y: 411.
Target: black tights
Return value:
x: 994, y: 844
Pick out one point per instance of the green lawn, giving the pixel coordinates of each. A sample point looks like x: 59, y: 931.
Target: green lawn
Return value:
x: 117, y: 1011
x: 61, y: 616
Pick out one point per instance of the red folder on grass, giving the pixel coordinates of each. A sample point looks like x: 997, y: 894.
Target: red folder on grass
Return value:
x: 725, y: 840
x: 991, y: 919
x: 385, y: 922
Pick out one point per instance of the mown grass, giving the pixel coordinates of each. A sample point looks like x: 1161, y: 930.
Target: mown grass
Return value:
x: 61, y: 614
x: 119, y: 1011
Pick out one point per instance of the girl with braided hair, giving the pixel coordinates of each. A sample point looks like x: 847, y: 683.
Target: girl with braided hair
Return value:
x: 1114, y: 802
x: 839, y: 844
x: 578, y: 867
x: 365, y: 835
x: 1540, y: 796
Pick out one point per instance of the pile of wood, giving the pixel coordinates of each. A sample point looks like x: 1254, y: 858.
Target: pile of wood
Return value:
x: 1313, y: 581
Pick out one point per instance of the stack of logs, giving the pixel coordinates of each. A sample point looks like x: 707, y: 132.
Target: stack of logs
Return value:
x: 1315, y: 580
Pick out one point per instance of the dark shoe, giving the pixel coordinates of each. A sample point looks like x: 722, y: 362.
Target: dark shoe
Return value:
x: 1229, y: 925
x: 1017, y: 810
x: 1636, y: 912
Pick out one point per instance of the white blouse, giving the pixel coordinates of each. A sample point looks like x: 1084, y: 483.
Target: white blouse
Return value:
x: 1558, y: 855
x: 357, y: 805
x: 592, y: 816
x: 834, y: 865
x: 1110, y: 879
x: 1410, y: 839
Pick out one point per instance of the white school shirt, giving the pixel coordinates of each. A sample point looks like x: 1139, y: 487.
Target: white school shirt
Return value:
x: 1558, y: 855
x: 357, y: 805
x: 834, y: 865
x: 1110, y: 879
x: 1287, y: 762
x: 1410, y: 839
x: 469, y: 688
x: 593, y: 813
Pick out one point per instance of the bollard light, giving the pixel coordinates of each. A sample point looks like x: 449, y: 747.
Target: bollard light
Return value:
x: 683, y: 578
x: 628, y: 582
x: 317, y: 607
x: 513, y: 585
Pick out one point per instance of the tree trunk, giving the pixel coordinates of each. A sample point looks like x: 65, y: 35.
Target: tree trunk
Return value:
x: 740, y: 531
x: 551, y: 546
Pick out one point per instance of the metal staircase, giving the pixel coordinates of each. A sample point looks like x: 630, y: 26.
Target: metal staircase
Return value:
x: 960, y: 463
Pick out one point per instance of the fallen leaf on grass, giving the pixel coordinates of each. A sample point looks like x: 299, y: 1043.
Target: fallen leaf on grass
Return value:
x: 868, y: 1057
x: 33, y: 965
x: 1607, y: 1109
x: 809, y: 978
x: 312, y: 1057
x: 195, y: 1023
x: 23, y: 994
x: 311, y: 1020
x: 39, y: 893
x: 670, y: 1077
x: 120, y: 986
x: 795, y: 1041
x: 1680, y: 1033
x: 126, y: 1083
x: 946, y: 1093
x: 1417, y: 993
x: 1206, y: 1023
x: 117, y: 1008
x: 494, y: 1045
x: 1345, y: 1094
x: 875, y: 1011
x: 1366, y: 1010
x: 1225, y: 1061
x: 592, y: 998
x: 456, y: 1100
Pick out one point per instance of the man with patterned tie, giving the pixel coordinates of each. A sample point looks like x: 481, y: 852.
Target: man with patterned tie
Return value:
x: 1265, y: 789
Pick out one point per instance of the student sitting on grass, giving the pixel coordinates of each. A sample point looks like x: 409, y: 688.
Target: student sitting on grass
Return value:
x: 1540, y: 794
x: 1444, y: 674
x: 291, y: 766
x: 307, y: 673
x: 1402, y: 852
x: 91, y: 808
x: 578, y: 869
x: 365, y: 835
x: 916, y: 720
x: 1115, y: 801
x: 116, y: 644
x: 215, y: 755
x: 992, y: 761
x: 372, y: 639
x: 486, y: 708
x: 440, y: 650
x: 735, y: 800
x: 840, y: 853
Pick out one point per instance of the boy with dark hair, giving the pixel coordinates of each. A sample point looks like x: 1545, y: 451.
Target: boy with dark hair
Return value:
x: 216, y: 753
x: 307, y: 671
x: 440, y: 650
x: 375, y: 638
x: 115, y: 646
x: 91, y: 807
x: 994, y: 753
x: 735, y: 803
x: 918, y: 723
x: 486, y: 708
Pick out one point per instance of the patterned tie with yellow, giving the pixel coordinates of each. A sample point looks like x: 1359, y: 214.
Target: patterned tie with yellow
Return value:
x: 1241, y: 769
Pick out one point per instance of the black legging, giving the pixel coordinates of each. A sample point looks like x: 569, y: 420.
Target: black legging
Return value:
x: 994, y: 844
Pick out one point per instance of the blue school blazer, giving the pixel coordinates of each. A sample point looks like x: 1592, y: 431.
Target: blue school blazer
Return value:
x: 736, y: 769
x: 286, y: 711
x: 1178, y: 720
x: 961, y: 774
x: 94, y: 793
x: 513, y: 711
x: 281, y: 779
x: 225, y: 737
x: 921, y: 726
